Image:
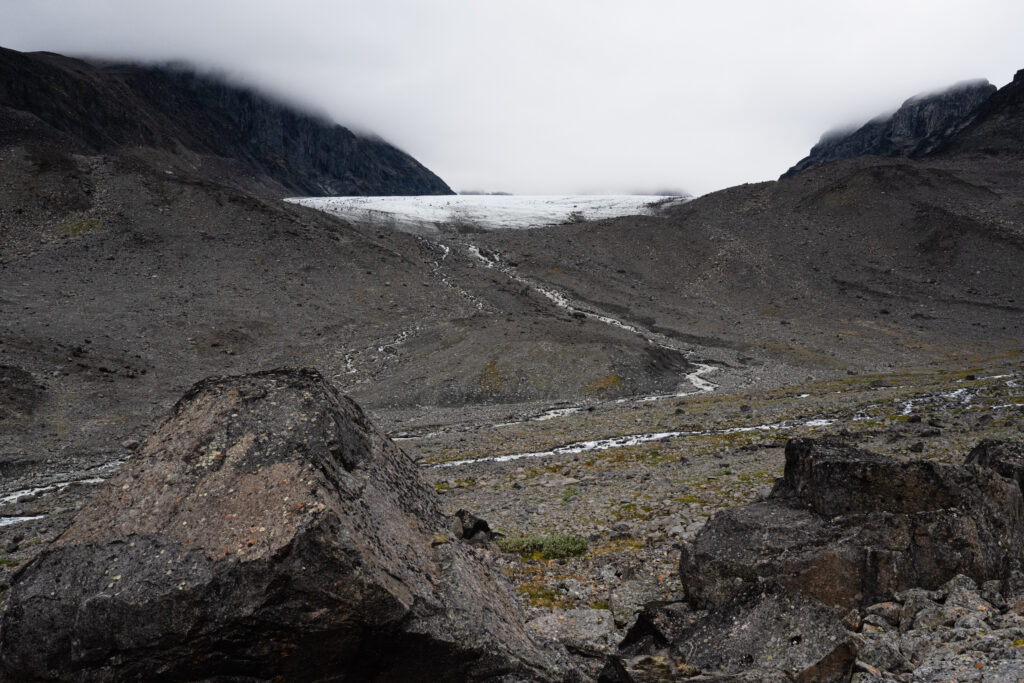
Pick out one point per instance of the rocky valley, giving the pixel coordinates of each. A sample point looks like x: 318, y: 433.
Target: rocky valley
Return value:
x: 243, y: 439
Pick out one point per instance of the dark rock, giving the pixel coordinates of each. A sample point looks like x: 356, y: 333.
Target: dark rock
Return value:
x: 20, y: 394
x: 763, y: 627
x: 265, y: 530
x: 659, y: 625
x: 473, y: 529
x: 765, y: 632
x: 586, y: 633
x: 921, y: 125
x: 1005, y: 457
x: 851, y: 528
x: 240, y: 136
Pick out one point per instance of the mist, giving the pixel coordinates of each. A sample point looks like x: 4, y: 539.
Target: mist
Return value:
x: 579, y: 96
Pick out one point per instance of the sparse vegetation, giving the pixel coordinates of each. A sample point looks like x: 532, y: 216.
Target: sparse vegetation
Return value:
x: 604, y: 385
x: 82, y: 226
x: 549, y: 547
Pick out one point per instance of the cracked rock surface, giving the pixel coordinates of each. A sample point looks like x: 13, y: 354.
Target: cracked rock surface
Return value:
x: 266, y: 529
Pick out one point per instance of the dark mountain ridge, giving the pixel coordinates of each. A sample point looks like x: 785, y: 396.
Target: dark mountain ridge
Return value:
x: 996, y: 129
x: 921, y: 125
x: 198, y: 124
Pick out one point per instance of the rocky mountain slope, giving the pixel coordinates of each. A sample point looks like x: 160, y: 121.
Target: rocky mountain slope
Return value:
x: 997, y: 129
x: 197, y: 125
x: 921, y: 124
x: 896, y: 260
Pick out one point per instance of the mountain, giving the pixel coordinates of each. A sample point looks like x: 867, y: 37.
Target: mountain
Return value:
x: 865, y: 261
x: 996, y: 129
x: 921, y: 124
x: 197, y: 125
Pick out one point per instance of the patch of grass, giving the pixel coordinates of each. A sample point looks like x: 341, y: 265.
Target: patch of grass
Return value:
x: 547, y: 547
x: 655, y: 457
x: 632, y: 511
x: 604, y: 385
x: 540, y: 595
x: 8, y: 562
x: 82, y: 226
x: 689, y: 499
x: 618, y: 545
x: 490, y: 379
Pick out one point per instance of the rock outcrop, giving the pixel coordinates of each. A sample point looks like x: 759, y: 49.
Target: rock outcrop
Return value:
x: 921, y: 125
x: 997, y: 129
x: 226, y: 133
x: 855, y: 564
x: 266, y: 529
x: 1005, y: 457
x: 851, y: 528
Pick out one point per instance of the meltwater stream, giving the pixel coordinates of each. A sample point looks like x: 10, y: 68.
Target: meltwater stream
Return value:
x: 635, y: 440
x: 696, y: 379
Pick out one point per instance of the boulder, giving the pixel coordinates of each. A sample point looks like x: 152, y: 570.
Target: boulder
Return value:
x: 764, y: 632
x: 851, y: 528
x: 471, y: 528
x: 1005, y: 457
x: 266, y: 530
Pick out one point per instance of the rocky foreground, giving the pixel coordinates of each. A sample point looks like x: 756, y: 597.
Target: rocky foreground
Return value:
x: 267, y: 530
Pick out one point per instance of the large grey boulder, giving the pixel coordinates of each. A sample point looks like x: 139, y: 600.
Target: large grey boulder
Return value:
x: 851, y: 528
x: 266, y: 530
x: 776, y: 590
x: 765, y: 632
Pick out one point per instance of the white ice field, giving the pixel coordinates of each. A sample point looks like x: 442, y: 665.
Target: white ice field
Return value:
x: 484, y: 212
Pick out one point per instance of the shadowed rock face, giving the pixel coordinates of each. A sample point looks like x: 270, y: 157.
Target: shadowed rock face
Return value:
x: 1005, y: 457
x: 265, y: 529
x: 851, y: 528
x: 229, y: 134
x: 919, y: 126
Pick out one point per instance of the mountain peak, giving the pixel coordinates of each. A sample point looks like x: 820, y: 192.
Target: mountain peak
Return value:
x: 921, y: 124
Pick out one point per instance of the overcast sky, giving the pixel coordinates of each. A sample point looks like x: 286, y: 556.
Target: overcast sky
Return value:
x: 564, y: 95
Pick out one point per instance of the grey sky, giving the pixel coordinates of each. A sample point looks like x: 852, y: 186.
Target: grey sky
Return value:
x: 565, y: 95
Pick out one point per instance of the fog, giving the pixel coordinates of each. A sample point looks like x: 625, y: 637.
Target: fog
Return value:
x: 574, y: 96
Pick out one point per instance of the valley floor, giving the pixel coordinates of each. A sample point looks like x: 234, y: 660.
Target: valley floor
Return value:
x: 635, y: 479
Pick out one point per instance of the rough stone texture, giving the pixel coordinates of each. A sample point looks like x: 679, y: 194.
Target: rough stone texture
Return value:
x: 589, y: 635
x: 1005, y: 457
x: 765, y: 627
x: 265, y: 529
x: 919, y: 126
x: 954, y: 633
x: 997, y: 129
x: 115, y: 106
x: 765, y: 632
x: 851, y: 528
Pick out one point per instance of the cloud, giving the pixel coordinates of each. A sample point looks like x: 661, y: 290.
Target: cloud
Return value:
x: 567, y: 96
